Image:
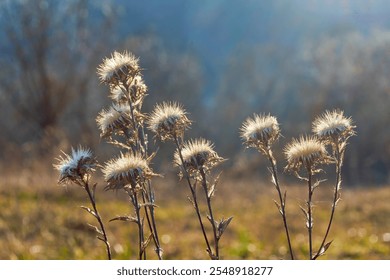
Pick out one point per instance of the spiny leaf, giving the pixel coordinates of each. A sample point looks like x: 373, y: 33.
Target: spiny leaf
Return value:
x: 222, y: 226
x: 317, y: 183
x: 96, y: 229
x: 279, y: 207
x: 213, y: 186
x: 125, y: 219
x: 146, y: 242
x: 89, y: 210
x: 323, y: 250
x: 147, y: 204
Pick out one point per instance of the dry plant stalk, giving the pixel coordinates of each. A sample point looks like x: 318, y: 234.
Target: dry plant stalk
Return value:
x: 195, y: 159
x: 77, y: 168
x: 305, y: 155
x: 260, y: 132
x: 123, y: 126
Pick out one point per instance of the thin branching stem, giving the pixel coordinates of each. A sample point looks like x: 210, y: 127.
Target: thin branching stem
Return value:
x: 148, y: 196
x: 98, y: 218
x: 309, y: 211
x: 336, y: 197
x: 212, y: 220
x: 282, y: 201
x: 194, y: 198
x: 134, y: 199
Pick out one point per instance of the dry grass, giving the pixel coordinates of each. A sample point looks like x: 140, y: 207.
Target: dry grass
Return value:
x: 47, y: 223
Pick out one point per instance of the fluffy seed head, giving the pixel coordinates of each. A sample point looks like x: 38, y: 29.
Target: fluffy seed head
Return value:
x: 168, y: 120
x: 126, y: 170
x: 260, y: 131
x: 75, y: 167
x: 113, y: 120
x: 333, y: 126
x: 197, y: 154
x: 118, y: 68
x: 136, y: 90
x: 305, y: 152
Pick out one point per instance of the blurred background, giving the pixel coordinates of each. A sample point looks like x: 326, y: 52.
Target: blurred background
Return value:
x: 223, y: 60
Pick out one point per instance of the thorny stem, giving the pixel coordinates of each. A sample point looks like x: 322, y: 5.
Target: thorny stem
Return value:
x: 152, y: 222
x: 141, y: 145
x: 208, y: 199
x: 133, y: 195
x: 339, y: 162
x: 282, y: 201
x: 195, y: 201
x: 98, y: 218
x: 309, y: 211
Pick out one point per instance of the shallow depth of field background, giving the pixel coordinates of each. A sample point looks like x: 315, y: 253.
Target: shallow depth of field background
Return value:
x: 224, y: 61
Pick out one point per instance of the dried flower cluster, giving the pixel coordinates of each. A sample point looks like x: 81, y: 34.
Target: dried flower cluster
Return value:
x: 118, y: 69
x: 197, y: 155
x: 306, y: 152
x: 76, y: 167
x: 304, y: 155
x: 260, y: 132
x: 195, y: 159
x: 127, y: 171
x: 168, y: 121
x: 123, y: 125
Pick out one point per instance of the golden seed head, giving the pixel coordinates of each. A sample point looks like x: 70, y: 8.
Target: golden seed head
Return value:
x: 126, y: 170
x: 305, y: 152
x: 118, y: 68
x: 197, y: 155
x: 260, y: 131
x: 75, y: 167
x: 332, y: 126
x: 168, y: 120
x: 113, y: 120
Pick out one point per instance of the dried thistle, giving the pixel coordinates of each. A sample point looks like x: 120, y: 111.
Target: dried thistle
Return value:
x: 127, y: 170
x: 116, y: 119
x: 307, y: 152
x: 333, y: 125
x: 118, y: 68
x: 168, y: 120
x: 334, y: 129
x: 260, y: 132
x: 197, y: 154
x: 75, y: 167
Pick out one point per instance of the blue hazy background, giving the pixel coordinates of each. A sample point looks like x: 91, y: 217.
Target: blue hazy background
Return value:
x: 223, y: 59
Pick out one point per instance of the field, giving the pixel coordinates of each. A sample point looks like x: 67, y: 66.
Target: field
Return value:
x: 46, y: 223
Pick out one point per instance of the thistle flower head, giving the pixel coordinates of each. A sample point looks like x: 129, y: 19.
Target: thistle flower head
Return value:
x: 168, y: 120
x: 113, y: 120
x: 75, y: 167
x: 307, y: 152
x: 136, y: 91
x: 118, y: 68
x: 197, y: 154
x: 333, y: 126
x: 126, y: 170
x: 260, y: 131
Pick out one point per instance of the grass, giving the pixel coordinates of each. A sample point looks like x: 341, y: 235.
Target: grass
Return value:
x: 46, y: 223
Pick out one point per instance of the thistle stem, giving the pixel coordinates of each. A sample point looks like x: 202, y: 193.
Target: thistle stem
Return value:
x: 208, y: 199
x: 309, y: 211
x: 339, y: 162
x: 98, y: 218
x: 134, y: 199
x: 282, y: 201
x: 195, y: 201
